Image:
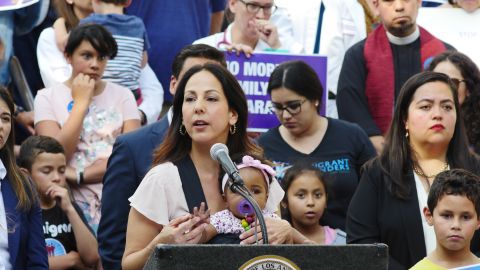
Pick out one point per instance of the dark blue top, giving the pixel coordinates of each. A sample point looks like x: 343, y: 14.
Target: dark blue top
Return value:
x: 343, y: 150
x: 129, y: 162
x: 26, y: 243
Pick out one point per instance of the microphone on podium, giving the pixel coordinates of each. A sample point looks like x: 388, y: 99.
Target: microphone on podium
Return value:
x: 219, y: 152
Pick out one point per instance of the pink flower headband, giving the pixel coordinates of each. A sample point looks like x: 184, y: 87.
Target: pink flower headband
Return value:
x: 248, y: 161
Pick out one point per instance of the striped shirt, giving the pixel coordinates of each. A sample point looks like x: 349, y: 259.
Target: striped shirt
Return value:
x: 131, y: 37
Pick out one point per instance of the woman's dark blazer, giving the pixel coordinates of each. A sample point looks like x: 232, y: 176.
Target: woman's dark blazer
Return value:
x: 26, y: 243
x: 376, y: 216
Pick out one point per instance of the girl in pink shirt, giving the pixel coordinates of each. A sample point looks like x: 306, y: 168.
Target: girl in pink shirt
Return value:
x: 85, y: 114
x: 305, y: 202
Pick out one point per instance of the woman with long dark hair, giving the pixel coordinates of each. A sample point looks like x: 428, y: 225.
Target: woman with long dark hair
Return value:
x: 426, y: 137
x: 22, y: 245
x: 209, y: 107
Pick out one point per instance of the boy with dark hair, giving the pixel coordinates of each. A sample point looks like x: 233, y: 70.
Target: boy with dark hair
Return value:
x: 191, y: 55
x: 69, y: 242
x: 453, y: 211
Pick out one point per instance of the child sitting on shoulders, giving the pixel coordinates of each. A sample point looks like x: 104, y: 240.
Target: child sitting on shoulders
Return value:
x: 259, y: 179
x: 453, y: 206
x: 305, y: 203
x: 131, y: 36
x: 69, y: 242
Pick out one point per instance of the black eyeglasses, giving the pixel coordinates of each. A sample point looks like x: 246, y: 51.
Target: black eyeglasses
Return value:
x: 456, y: 82
x: 293, y: 107
x: 254, y: 8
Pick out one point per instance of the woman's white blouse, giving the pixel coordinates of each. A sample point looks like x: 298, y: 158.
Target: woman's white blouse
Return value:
x: 428, y: 232
x: 160, y: 195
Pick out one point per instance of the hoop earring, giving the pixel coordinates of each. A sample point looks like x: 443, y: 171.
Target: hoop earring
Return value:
x: 234, y: 126
x: 182, y: 131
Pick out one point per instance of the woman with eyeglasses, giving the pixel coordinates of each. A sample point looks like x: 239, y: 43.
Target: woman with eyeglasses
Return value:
x: 252, y: 30
x: 465, y: 75
x: 336, y: 147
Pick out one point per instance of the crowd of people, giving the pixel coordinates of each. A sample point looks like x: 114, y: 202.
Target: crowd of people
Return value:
x: 113, y: 165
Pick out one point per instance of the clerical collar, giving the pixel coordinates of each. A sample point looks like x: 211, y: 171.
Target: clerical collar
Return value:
x: 404, y: 40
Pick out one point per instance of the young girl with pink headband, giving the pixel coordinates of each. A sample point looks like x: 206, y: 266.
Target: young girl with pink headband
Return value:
x: 259, y: 179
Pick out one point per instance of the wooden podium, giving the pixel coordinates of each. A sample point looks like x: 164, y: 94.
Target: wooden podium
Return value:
x: 266, y: 257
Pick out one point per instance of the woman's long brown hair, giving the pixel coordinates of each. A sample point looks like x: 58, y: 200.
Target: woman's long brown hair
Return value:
x: 177, y: 146
x: 22, y: 187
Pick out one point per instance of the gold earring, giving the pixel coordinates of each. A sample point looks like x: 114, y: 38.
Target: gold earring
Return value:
x: 182, y: 131
x: 406, y: 134
x: 234, y: 126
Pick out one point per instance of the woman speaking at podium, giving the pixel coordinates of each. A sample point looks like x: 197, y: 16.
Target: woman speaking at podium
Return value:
x: 209, y: 107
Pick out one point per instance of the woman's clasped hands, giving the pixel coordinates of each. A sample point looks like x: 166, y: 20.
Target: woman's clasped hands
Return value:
x: 186, y: 229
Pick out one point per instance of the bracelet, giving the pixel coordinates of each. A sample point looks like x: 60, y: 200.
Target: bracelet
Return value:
x: 276, y: 50
x: 79, y: 176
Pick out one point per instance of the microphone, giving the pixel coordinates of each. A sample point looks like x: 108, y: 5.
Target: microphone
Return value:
x: 219, y: 152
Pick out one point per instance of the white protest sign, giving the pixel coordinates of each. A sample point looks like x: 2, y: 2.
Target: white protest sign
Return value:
x: 455, y: 27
